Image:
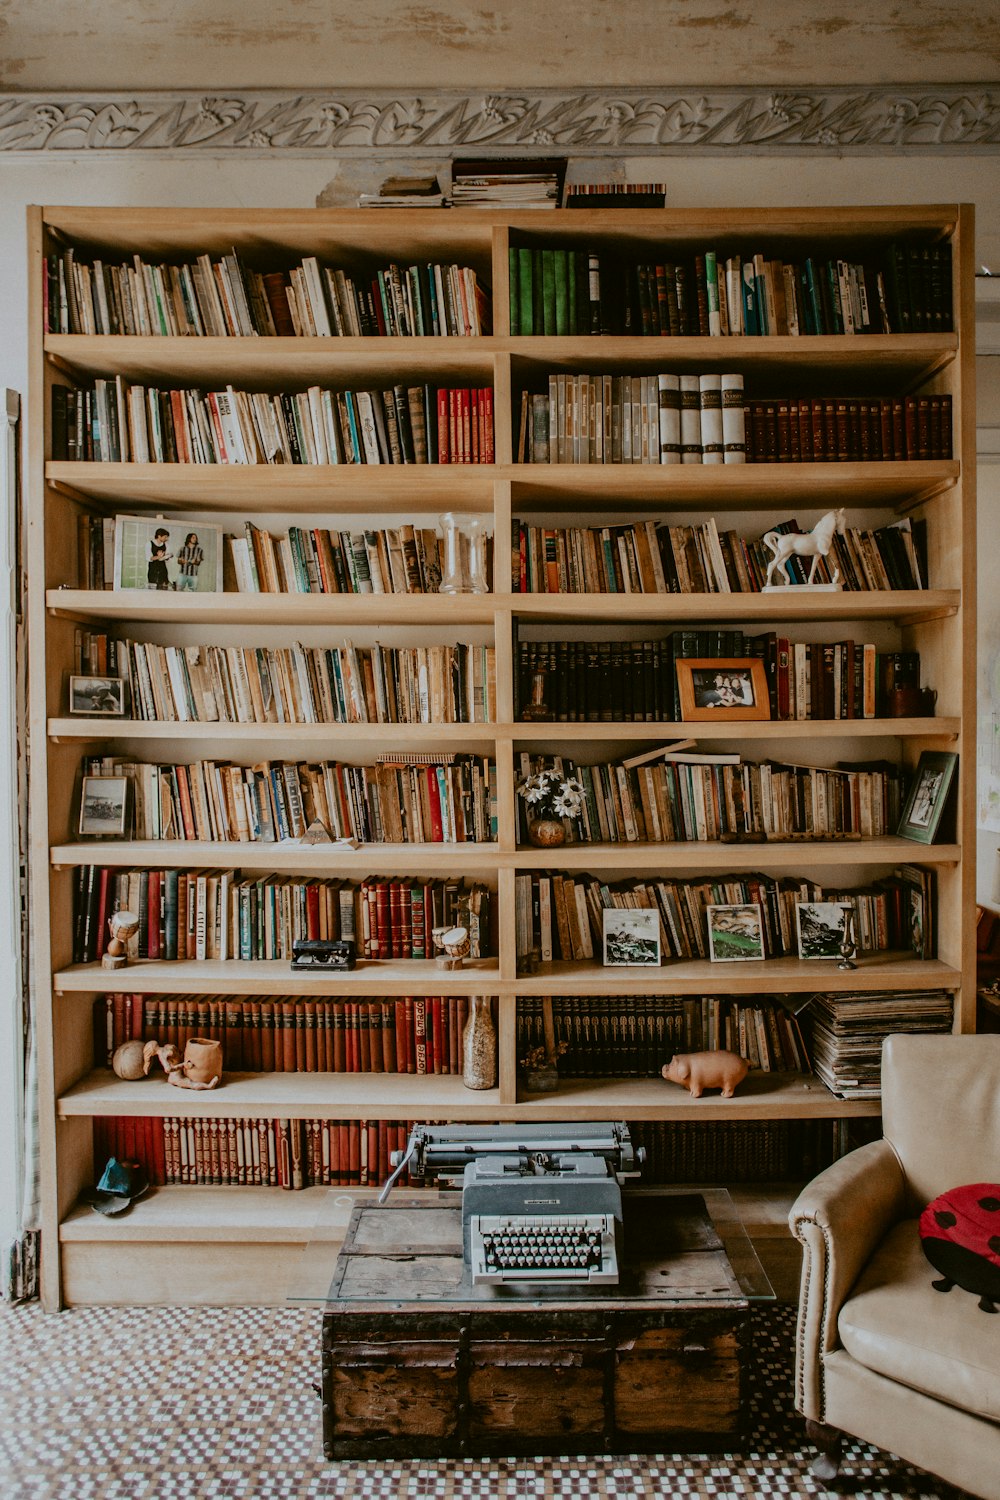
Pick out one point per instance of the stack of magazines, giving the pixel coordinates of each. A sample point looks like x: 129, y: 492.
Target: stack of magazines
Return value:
x: 507, y: 184
x: 848, y: 1031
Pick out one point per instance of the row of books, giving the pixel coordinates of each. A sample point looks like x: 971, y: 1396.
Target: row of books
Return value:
x: 728, y: 1151
x: 246, y: 1151
x: 636, y: 681
x: 847, y: 1031
x: 849, y: 429
x: 451, y: 801
x: 225, y: 297
x: 685, y: 796
x: 115, y: 422
x: 633, y: 1036
x: 634, y: 419
x: 221, y: 914
x: 309, y: 684
x: 561, y: 915
x: 577, y: 290
x: 415, y: 1034
x: 659, y: 557
x: 312, y: 560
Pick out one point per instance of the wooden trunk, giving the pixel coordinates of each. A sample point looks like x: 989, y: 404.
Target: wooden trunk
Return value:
x: 448, y: 1369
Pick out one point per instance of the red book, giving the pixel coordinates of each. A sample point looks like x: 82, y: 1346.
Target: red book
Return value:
x: 309, y: 1012
x: 335, y: 1170
x: 372, y: 1174
x: 454, y: 429
x: 405, y: 919
x: 103, y: 876
x: 395, y: 920
x: 339, y: 1024
x: 159, y: 1160
x: 388, y: 1037
x: 474, y: 423
x: 117, y: 1022
x: 444, y: 427
x: 487, y: 448
x: 383, y: 920
x: 374, y: 1009
x: 438, y: 1052
x: 354, y: 1153
x: 312, y: 910
x: 420, y: 1034
x: 402, y: 1037
x: 268, y: 1027
x: 364, y: 1035
x: 300, y: 1037
x: 153, y: 938
x: 465, y: 435
x: 287, y: 1064
x: 383, y: 1150
x: 454, y: 1037
x: 434, y: 801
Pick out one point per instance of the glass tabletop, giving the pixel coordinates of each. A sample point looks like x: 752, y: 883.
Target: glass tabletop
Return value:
x: 680, y: 1245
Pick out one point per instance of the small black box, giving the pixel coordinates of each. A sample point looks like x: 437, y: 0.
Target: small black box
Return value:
x: 322, y: 953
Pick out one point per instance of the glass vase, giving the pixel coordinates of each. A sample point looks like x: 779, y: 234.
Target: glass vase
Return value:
x: 478, y: 537
x: 453, y: 577
x: 479, y: 1045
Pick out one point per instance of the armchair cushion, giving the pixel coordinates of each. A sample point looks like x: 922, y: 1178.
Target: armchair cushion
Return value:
x: 896, y: 1325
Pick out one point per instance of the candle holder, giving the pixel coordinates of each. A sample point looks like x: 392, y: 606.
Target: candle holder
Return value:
x: 848, y: 943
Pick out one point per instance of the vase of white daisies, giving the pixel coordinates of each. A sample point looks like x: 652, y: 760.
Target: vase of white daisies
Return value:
x: 550, y: 799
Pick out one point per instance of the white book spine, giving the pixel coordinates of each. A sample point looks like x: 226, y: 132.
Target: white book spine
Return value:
x: 690, y: 419
x: 669, y: 394
x: 710, y: 400
x: 734, y: 428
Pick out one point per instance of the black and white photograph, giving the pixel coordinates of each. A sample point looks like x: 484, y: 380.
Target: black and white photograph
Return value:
x: 928, y: 798
x: 97, y: 696
x: 735, y: 933
x: 727, y: 688
x: 104, y: 806
x: 631, y: 938
x: 820, y: 926
x: 167, y: 556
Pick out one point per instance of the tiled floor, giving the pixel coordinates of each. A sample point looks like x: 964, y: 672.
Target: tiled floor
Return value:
x: 221, y: 1402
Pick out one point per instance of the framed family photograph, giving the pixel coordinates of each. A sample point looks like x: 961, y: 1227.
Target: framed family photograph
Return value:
x: 631, y: 938
x: 722, y: 689
x: 735, y: 933
x: 821, y: 927
x: 98, y: 697
x: 104, y: 807
x: 925, y: 806
x: 167, y: 556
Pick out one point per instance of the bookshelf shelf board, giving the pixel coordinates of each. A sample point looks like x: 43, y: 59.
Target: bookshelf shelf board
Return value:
x: 422, y: 859
x: 351, y: 741
x: 703, y: 854
x: 626, y: 488
x: 371, y: 611
x: 317, y: 489
x: 273, y: 363
x: 832, y: 358
x: 762, y: 1096
x: 276, y: 977
x: 209, y: 1215
x: 558, y: 734
x: 299, y: 1096
x: 793, y: 976
x: 903, y: 605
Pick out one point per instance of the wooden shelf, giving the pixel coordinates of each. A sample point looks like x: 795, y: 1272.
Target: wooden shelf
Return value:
x: 357, y: 611
x: 207, y: 1215
x: 903, y: 605
x: 435, y: 859
x: 945, y: 727
x: 418, y: 977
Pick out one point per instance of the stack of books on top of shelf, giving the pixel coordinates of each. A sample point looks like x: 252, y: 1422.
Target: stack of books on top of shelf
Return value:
x: 615, y: 195
x: 847, y: 1032
x: 405, y: 192
x: 507, y: 184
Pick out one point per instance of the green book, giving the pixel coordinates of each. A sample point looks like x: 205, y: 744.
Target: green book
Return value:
x: 573, y: 275
x: 515, y: 295
x: 548, y: 292
x: 561, y: 259
x: 525, y: 292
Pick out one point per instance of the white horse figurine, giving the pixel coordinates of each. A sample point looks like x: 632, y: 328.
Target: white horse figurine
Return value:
x: 814, y: 544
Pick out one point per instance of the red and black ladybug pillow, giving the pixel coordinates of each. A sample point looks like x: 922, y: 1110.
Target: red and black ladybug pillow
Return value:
x: 960, y: 1232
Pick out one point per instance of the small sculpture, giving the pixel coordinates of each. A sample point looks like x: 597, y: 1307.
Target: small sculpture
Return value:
x: 697, y: 1071
x: 454, y: 943
x: 814, y: 544
x: 122, y: 925
x: 201, y: 1067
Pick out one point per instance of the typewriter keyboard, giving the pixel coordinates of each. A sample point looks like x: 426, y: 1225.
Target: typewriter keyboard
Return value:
x: 549, y: 1247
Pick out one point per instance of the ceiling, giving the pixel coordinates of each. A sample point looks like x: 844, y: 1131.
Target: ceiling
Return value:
x: 146, y: 45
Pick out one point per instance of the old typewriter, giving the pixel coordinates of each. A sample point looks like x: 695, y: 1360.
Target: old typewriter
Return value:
x: 540, y: 1203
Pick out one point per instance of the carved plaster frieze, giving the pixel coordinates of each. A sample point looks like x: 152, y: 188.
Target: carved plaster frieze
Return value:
x: 920, y: 119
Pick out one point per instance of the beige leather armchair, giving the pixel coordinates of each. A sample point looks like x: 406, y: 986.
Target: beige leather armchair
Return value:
x: 879, y: 1352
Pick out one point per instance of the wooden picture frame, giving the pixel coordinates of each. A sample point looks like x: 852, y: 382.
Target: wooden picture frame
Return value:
x: 104, y: 807
x: 98, y: 697
x: 735, y: 933
x: 928, y: 797
x: 721, y: 690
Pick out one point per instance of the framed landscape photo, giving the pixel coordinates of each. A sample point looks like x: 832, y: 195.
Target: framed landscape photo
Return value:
x: 722, y: 689
x: 932, y: 783
x: 821, y: 927
x: 631, y: 938
x: 98, y: 697
x: 104, y: 807
x: 735, y: 933
x: 167, y: 556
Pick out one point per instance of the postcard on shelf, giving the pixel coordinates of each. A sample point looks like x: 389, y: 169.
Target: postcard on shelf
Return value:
x: 929, y: 794
x: 821, y: 928
x: 167, y: 556
x: 631, y: 938
x: 735, y: 933
x: 723, y: 689
x: 98, y: 697
x: 104, y: 807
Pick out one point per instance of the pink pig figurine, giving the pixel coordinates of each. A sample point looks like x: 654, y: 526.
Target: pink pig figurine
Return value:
x: 698, y: 1071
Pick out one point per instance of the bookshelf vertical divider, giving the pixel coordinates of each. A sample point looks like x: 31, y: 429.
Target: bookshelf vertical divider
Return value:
x: 207, y: 1242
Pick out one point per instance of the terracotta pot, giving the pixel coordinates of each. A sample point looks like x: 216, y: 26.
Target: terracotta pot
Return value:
x: 546, y: 833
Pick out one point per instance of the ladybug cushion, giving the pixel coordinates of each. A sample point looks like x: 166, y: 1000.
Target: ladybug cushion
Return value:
x: 960, y: 1232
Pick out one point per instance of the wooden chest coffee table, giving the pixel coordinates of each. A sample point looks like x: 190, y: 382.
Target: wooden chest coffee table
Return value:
x: 419, y: 1362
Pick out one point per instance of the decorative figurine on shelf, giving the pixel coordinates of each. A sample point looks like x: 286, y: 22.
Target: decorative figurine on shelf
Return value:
x: 201, y: 1067
x: 698, y: 1071
x: 122, y: 925
x: 550, y: 797
x: 814, y: 544
x: 454, y: 943
x: 541, y: 1067
x: 465, y: 539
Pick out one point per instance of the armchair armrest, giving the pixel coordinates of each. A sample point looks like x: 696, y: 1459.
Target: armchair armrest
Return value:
x: 839, y: 1219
